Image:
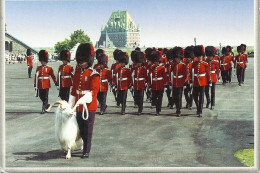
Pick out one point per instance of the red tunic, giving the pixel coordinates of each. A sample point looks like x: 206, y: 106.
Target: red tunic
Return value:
x: 225, y: 63
x: 189, y: 73
x: 66, y: 76
x: 168, y: 67
x: 201, y: 74
x: 245, y: 59
x: 83, y: 80
x: 157, y: 78
x: 105, y: 78
x: 43, y: 77
x: 124, y: 79
x: 30, y: 61
x: 179, y: 74
x: 140, y: 78
x: 213, y: 70
x: 114, y: 70
x: 240, y: 61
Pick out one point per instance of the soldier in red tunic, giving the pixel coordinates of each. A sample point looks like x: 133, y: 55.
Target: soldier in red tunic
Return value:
x: 148, y: 65
x: 243, y: 47
x: 224, y: 65
x: 132, y: 67
x: 86, y: 80
x: 29, y: 62
x: 201, y: 78
x: 65, y: 75
x: 139, y: 80
x: 124, y: 80
x: 240, y: 64
x: 157, y: 81
x: 42, y: 81
x: 105, y: 79
x: 189, y: 55
x: 214, y: 73
x: 231, y: 59
x: 168, y: 67
x: 179, y: 75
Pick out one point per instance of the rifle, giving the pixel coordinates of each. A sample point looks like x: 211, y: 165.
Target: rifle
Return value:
x: 36, y: 85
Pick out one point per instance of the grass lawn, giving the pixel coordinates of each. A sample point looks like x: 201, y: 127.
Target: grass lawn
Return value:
x: 245, y: 156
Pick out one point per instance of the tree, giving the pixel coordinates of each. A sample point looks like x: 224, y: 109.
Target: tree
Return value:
x: 77, y: 36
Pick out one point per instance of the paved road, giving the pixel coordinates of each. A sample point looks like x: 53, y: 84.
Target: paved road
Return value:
x: 130, y: 140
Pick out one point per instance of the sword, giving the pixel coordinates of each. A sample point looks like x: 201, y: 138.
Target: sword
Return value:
x: 58, y: 87
x: 36, y: 85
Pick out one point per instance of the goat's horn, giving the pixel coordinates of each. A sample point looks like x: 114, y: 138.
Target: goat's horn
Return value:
x: 57, y: 102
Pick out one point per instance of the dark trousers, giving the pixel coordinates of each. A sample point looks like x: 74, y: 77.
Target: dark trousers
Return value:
x: 114, y: 90
x: 121, y: 98
x: 224, y: 75
x: 198, y: 95
x: 148, y: 93
x: 169, y: 95
x: 29, y: 71
x: 212, y: 100
x: 188, y: 95
x: 240, y: 75
x: 177, y: 97
x: 43, y: 94
x: 229, y: 75
x: 64, y: 93
x: 86, y: 129
x: 102, y: 100
x: 139, y: 99
x: 157, y: 96
x: 243, y: 74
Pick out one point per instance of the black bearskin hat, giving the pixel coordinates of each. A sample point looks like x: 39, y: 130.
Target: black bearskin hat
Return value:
x: 239, y: 49
x: 134, y: 55
x: 210, y: 51
x: 155, y: 56
x: 243, y: 47
x: 224, y: 51
x: 189, y: 52
x: 123, y: 57
x: 199, y: 50
x: 229, y: 48
x: 139, y: 57
x: 148, y: 52
x: 169, y: 54
x: 85, y: 53
x: 28, y: 52
x: 138, y: 48
x: 165, y: 50
x: 102, y: 59
x: 99, y: 52
x: 43, y: 56
x: 65, y: 55
x: 115, y: 54
x: 177, y: 52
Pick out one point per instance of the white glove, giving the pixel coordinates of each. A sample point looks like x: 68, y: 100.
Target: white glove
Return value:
x: 87, y: 98
x: 72, y: 101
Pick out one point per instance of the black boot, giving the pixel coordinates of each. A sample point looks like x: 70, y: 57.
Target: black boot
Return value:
x: 85, y: 154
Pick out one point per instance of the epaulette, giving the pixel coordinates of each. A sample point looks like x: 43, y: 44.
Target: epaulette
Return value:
x: 205, y: 62
x: 182, y: 63
x: 93, y: 71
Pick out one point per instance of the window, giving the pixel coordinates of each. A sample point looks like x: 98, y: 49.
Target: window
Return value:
x: 6, y: 45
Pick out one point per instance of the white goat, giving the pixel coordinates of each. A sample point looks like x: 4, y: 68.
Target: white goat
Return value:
x: 66, y: 126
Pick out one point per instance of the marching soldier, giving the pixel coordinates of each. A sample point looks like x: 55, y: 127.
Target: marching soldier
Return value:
x: 29, y: 62
x: 157, y: 80
x: 105, y: 78
x: 139, y: 80
x: 201, y: 78
x: 243, y: 46
x: 168, y: 67
x: 240, y: 64
x: 65, y: 75
x: 225, y: 65
x: 85, y: 81
x: 124, y: 80
x: 214, y: 73
x: 189, y: 55
x: 114, y: 68
x: 179, y: 75
x: 148, y: 65
x: 132, y: 67
x: 42, y: 81
x: 230, y: 54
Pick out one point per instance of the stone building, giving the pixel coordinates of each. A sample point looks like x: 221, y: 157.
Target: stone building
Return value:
x: 120, y: 31
x: 15, y: 46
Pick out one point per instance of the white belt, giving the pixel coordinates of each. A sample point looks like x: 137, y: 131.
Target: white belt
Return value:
x: 65, y: 76
x: 225, y: 64
x: 114, y: 74
x: 240, y: 62
x: 138, y: 79
x: 159, y: 78
x: 122, y: 79
x: 200, y: 75
x: 212, y: 71
x: 43, y: 77
x: 181, y: 76
x: 82, y: 92
x: 104, y: 80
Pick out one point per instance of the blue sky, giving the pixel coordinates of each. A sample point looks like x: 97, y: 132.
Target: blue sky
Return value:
x: 162, y: 23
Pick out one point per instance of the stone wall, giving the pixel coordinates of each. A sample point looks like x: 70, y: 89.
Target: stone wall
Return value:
x: 16, y: 47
